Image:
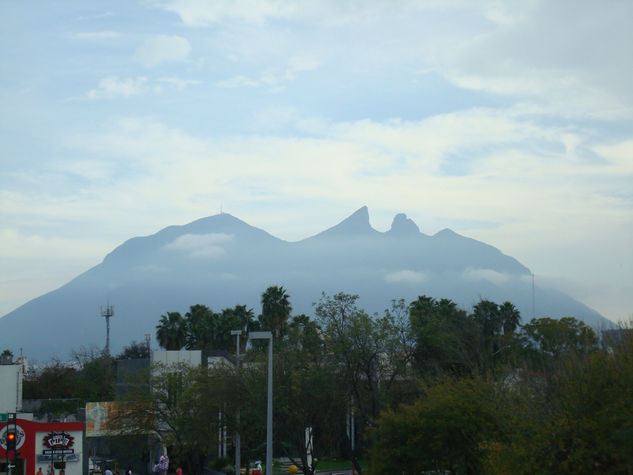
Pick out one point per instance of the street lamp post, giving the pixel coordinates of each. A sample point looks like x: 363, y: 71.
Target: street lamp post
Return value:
x: 269, y: 414
x: 236, y: 442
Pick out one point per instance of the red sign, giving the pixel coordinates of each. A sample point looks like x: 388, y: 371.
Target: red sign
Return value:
x: 58, y: 440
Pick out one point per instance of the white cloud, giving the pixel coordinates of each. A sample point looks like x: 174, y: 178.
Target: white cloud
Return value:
x: 162, y: 48
x: 571, y: 58
x: 201, y: 245
x: 15, y: 244
x: 95, y: 35
x: 238, y: 81
x: 619, y: 156
x: 112, y: 87
x: 490, y: 275
x: 203, y: 12
x: 274, y: 77
x: 404, y: 276
x: 177, y: 83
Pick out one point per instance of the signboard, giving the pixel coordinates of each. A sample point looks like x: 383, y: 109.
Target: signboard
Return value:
x: 100, y: 417
x: 58, y: 451
x: 4, y: 417
x: 57, y: 458
x: 19, y: 436
x: 58, y: 440
x: 108, y: 418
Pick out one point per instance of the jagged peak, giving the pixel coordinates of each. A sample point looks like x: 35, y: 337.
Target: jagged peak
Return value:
x: 403, y: 226
x: 355, y: 224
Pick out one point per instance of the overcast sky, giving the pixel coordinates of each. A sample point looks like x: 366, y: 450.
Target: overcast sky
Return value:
x: 508, y: 122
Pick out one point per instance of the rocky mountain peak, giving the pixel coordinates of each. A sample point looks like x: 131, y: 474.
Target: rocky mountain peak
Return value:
x: 403, y: 226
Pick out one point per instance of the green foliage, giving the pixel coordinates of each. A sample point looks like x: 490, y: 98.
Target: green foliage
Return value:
x: 446, y: 340
x: 96, y: 380
x: 306, y: 396
x: 134, y: 350
x: 554, y: 337
x: 497, y: 325
x: 170, y: 331
x: 444, y: 430
x: 91, y: 378
x: 577, y: 419
x: 369, y: 355
x: 202, y: 329
x: 482, y: 409
x: 276, y: 310
x: 182, y: 408
x: 56, y: 381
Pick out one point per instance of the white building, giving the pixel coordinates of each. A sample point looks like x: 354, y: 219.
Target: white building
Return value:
x: 11, y: 379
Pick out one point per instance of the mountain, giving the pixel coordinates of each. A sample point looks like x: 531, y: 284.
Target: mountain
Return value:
x: 221, y: 261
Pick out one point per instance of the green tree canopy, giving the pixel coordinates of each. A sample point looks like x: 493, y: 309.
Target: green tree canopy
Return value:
x: 554, y: 337
x: 446, y: 429
x: 134, y: 350
x: 276, y: 310
x: 171, y: 331
x: 446, y: 339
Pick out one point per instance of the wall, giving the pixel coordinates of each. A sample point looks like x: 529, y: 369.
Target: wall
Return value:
x: 11, y: 377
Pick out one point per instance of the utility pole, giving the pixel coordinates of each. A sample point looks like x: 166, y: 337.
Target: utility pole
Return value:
x: 107, y: 312
x: 236, y: 441
x: 533, y: 299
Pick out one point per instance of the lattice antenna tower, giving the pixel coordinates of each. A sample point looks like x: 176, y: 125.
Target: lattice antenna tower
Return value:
x: 107, y: 312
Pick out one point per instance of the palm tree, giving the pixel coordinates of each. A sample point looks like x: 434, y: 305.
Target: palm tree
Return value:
x: 276, y: 309
x: 170, y: 331
x: 201, y: 328
x: 510, y: 317
x: 486, y: 314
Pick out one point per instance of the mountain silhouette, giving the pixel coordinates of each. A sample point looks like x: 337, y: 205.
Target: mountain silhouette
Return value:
x: 221, y: 261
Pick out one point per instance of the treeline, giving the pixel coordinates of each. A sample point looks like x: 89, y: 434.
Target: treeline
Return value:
x: 425, y: 386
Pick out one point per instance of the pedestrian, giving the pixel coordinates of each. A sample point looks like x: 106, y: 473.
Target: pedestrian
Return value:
x: 156, y: 468
x: 108, y: 471
x: 39, y: 471
x: 164, y: 464
x: 179, y: 471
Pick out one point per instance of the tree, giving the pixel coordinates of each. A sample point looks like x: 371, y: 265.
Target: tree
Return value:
x: 55, y: 381
x: 236, y: 318
x: 134, y: 350
x: 446, y: 340
x: 309, y: 394
x: 510, y: 318
x: 276, y: 310
x: 170, y: 331
x: 369, y: 355
x: 182, y: 408
x: 574, y: 419
x: 497, y: 325
x: 446, y: 429
x: 200, y: 328
x: 553, y: 337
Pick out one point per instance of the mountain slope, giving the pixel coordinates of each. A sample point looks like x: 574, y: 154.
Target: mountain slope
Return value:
x: 222, y: 261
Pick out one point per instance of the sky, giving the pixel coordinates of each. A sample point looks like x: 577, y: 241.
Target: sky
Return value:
x: 508, y: 122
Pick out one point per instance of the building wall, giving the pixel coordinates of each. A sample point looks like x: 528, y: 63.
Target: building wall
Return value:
x: 11, y: 377
x: 31, y: 445
x: 168, y: 358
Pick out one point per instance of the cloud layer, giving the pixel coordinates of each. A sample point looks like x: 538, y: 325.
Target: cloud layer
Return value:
x: 507, y: 122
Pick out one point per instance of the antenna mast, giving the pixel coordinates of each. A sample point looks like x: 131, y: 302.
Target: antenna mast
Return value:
x: 107, y: 312
x: 533, y: 299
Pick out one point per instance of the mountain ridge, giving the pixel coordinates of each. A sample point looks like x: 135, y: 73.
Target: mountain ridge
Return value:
x: 222, y: 261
